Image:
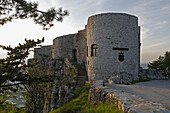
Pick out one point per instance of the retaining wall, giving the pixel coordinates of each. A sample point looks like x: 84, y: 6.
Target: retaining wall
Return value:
x: 126, y: 102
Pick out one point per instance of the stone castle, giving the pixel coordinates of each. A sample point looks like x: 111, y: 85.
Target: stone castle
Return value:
x: 109, y: 44
x: 106, y: 51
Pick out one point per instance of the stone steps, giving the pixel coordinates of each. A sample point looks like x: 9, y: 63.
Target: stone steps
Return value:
x: 82, y: 75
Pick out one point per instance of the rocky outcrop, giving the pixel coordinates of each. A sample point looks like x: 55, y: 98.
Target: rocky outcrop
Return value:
x: 123, y: 78
x: 144, y: 74
x: 151, y: 74
x: 126, y: 102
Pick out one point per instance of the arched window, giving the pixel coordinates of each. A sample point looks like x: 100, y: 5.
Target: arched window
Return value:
x: 94, y: 50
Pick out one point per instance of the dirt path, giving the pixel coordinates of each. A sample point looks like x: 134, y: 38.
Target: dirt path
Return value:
x: 156, y: 90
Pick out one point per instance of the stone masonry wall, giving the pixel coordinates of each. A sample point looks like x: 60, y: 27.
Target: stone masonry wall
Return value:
x: 126, y: 102
x: 117, y: 38
x: 80, y: 43
x: 63, y: 47
x: 43, y: 54
x: 43, y: 51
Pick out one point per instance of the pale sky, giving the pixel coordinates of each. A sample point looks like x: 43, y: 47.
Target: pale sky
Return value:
x: 153, y: 15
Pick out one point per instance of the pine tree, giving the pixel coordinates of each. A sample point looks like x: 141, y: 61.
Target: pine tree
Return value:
x: 13, y: 68
x: 162, y: 64
x: 21, y: 9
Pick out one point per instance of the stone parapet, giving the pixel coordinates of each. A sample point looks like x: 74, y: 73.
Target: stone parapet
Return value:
x: 126, y: 102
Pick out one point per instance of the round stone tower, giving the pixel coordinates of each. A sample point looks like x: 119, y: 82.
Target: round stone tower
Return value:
x: 113, y: 45
x: 63, y: 47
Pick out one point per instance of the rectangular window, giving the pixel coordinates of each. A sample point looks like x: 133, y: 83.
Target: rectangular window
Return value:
x: 75, y: 55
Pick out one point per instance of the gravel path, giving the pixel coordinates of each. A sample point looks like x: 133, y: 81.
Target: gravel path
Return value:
x: 156, y: 90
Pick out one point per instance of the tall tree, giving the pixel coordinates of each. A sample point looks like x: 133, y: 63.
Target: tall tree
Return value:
x: 37, y: 92
x: 14, y: 9
x: 13, y: 69
x: 162, y: 64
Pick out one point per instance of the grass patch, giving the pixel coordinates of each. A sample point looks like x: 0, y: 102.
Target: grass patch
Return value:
x: 80, y: 104
x: 11, y: 108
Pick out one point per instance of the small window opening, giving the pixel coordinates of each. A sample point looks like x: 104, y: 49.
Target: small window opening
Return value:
x: 94, y: 50
x: 87, y: 51
x: 75, y: 55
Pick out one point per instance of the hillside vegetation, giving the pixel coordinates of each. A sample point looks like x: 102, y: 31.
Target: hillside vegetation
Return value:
x: 80, y: 104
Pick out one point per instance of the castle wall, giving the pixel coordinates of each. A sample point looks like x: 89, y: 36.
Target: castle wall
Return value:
x: 116, y: 36
x: 43, y: 53
x: 80, y: 43
x: 109, y: 45
x: 63, y: 47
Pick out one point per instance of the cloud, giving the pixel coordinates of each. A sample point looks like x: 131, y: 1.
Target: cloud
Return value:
x: 154, y: 20
x: 156, y: 45
x: 160, y: 25
x: 80, y: 10
x: 144, y: 33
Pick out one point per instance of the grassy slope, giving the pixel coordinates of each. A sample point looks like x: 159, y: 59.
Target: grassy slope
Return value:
x: 80, y: 104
